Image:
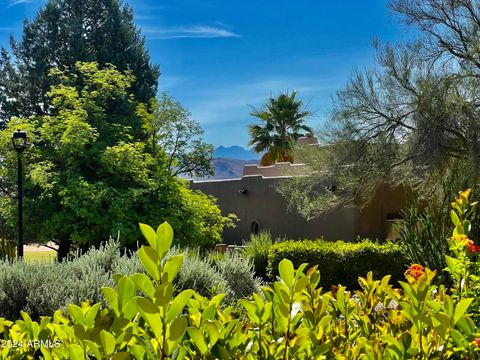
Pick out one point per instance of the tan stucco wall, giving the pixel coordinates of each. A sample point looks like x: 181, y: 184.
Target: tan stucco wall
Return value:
x: 263, y: 204
x: 371, y: 220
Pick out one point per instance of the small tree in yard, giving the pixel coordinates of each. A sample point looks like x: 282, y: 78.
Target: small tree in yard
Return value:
x: 90, y: 170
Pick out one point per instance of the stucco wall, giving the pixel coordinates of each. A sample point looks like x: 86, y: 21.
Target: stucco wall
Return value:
x: 262, y: 204
x: 387, y: 203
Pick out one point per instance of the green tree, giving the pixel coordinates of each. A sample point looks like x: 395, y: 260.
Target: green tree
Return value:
x: 90, y: 173
x: 413, y: 119
x: 171, y: 128
x: 62, y: 33
x: 282, y: 123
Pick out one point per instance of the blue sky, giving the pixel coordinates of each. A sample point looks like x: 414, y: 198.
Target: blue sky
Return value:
x: 221, y: 57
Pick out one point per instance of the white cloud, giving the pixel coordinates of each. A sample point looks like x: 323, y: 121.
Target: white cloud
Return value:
x: 180, y: 32
x: 17, y: 2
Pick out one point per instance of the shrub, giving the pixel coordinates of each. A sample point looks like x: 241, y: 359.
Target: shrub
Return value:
x: 424, y: 233
x: 239, y: 275
x: 294, y: 319
x: 257, y: 250
x: 340, y: 262
x: 42, y: 288
x: 200, y: 275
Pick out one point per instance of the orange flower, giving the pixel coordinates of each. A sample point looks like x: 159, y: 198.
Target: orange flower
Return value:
x: 472, y: 248
x: 415, y: 271
x: 476, y: 342
x: 459, y: 238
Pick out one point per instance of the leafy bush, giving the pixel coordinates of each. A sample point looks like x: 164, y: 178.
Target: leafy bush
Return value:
x: 257, y: 250
x: 239, y: 275
x: 200, y: 275
x: 340, y: 262
x: 294, y: 319
x: 424, y: 233
x: 42, y: 288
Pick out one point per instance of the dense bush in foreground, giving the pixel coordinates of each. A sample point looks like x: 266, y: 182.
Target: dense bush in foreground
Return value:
x: 340, y: 262
x: 42, y: 288
x: 292, y: 319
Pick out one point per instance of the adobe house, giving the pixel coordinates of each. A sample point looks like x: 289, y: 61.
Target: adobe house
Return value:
x: 258, y: 205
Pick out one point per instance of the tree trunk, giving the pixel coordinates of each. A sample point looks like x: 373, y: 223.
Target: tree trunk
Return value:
x: 63, y: 250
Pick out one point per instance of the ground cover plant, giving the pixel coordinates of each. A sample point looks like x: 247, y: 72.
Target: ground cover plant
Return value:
x: 293, y: 318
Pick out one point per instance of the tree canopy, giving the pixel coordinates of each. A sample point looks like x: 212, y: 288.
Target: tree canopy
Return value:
x: 62, y: 33
x: 282, y: 122
x: 170, y: 127
x: 90, y: 170
x: 413, y: 119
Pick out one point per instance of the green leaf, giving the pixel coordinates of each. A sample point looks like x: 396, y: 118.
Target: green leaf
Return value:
x: 76, y: 352
x: 454, y: 217
x: 458, y: 230
x: 150, y: 261
x: 130, y: 309
x: 460, y: 309
x: 91, y: 315
x: 177, y: 305
x: 286, y: 271
x: 76, y: 314
x: 151, y: 314
x: 111, y: 297
x: 198, y: 339
x: 177, y: 328
x: 108, y: 342
x: 94, y: 349
x: 137, y: 351
x: 143, y: 283
x: 121, y: 356
x: 164, y: 238
x: 125, y: 290
x: 149, y: 234
x: 173, y: 266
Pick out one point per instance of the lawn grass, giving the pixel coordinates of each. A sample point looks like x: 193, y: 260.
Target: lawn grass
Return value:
x: 40, y: 256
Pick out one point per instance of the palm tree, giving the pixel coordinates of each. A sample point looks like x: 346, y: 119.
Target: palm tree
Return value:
x: 282, y: 123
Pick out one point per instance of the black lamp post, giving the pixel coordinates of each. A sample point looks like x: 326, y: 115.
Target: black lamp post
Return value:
x: 19, y: 141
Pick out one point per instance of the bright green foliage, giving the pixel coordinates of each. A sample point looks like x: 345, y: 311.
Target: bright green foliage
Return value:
x: 292, y: 319
x: 90, y: 172
x: 340, y: 262
x: 424, y: 229
x: 62, y: 33
x: 170, y: 127
x: 464, y: 265
x: 257, y: 249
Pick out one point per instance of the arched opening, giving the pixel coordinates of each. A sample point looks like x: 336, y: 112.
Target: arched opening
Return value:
x: 254, y: 228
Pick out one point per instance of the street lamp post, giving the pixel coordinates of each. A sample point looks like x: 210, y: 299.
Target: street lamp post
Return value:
x: 19, y: 141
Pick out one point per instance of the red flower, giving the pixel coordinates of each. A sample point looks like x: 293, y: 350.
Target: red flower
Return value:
x: 415, y: 271
x: 472, y: 248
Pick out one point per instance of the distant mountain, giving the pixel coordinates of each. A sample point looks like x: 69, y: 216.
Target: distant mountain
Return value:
x: 226, y: 168
x: 235, y: 152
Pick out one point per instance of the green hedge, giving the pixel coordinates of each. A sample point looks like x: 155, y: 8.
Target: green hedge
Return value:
x: 341, y: 262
